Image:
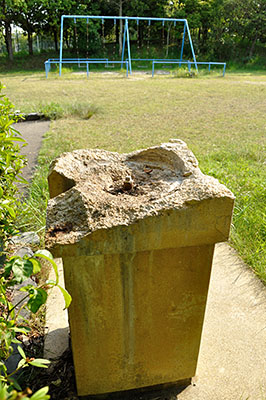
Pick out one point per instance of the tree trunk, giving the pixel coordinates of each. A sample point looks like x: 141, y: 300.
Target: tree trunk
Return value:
x: 204, y: 35
x: 67, y: 40
x: 253, y: 46
x: 121, y: 27
x: 55, y: 40
x: 8, y: 40
x: 30, y: 43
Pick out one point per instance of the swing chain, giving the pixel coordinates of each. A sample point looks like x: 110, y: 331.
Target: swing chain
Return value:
x: 138, y: 34
x: 87, y: 36
x: 149, y: 34
x: 76, y: 37
x: 103, y: 33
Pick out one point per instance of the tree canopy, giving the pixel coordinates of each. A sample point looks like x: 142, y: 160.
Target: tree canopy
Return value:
x: 220, y: 28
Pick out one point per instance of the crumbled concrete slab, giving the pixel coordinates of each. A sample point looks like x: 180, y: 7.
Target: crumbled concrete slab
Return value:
x: 57, y: 329
x: 26, y: 238
x: 165, y: 177
x: 12, y: 362
x: 19, y: 295
x: 24, y: 251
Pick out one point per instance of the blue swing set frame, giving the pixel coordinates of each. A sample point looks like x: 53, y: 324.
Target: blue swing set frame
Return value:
x: 126, y: 42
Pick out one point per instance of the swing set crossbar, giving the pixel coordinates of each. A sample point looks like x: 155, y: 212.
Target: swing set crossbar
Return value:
x: 155, y: 59
x: 126, y: 41
x: 103, y: 17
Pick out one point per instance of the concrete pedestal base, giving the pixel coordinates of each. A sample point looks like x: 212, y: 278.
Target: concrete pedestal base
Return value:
x: 136, y: 234
x: 136, y: 318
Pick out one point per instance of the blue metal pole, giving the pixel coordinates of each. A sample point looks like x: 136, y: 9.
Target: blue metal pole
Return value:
x: 153, y: 69
x: 87, y: 69
x: 128, y: 49
x: 126, y: 37
x: 46, y: 68
x: 128, y: 18
x: 183, y: 42
x: 191, y: 46
x: 124, y: 42
x: 61, y: 45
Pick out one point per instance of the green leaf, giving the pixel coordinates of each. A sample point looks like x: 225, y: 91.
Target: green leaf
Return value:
x: 37, y: 299
x: 36, y: 265
x: 48, y: 256
x: 21, y: 352
x: 15, y: 383
x: 10, y: 210
x: 14, y: 139
x: 22, y: 269
x: 7, y: 269
x: 3, y: 391
x: 41, y: 394
x: 24, y: 329
x: 27, y: 288
x: 3, y: 368
x: 3, y: 301
x: 21, y: 363
x: 1, y: 192
x: 66, y: 295
x: 16, y: 341
x: 44, y: 253
x: 42, y: 361
x: 39, y: 363
x: 20, y: 179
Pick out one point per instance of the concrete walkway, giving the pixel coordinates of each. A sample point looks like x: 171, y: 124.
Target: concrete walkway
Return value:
x: 232, y: 360
x: 32, y: 132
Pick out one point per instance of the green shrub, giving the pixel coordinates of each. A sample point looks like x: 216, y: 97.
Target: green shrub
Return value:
x: 76, y: 109
x: 52, y: 110
x: 16, y: 270
x: 11, y: 163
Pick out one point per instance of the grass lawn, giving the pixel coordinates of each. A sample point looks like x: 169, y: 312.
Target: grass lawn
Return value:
x: 221, y: 119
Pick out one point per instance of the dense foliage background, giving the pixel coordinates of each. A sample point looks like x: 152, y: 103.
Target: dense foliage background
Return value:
x: 221, y: 29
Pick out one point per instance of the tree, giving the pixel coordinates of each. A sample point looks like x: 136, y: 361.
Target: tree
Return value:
x: 29, y: 16
x: 247, y: 21
x: 7, y: 8
x: 52, y: 17
x: 117, y: 7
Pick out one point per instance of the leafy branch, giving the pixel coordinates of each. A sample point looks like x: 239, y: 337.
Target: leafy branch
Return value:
x: 16, y: 270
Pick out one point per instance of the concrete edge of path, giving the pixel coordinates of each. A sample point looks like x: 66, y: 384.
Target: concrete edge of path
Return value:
x: 57, y: 327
